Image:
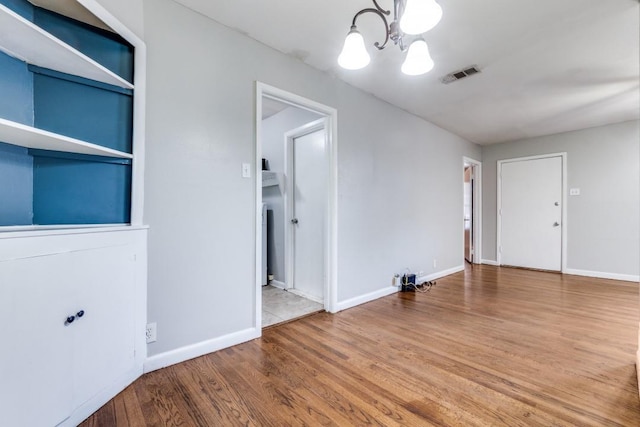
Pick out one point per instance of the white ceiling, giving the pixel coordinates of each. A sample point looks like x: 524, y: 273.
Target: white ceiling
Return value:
x: 548, y: 66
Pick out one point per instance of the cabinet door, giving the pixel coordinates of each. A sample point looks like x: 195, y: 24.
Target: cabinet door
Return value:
x: 104, y: 335
x: 36, y: 356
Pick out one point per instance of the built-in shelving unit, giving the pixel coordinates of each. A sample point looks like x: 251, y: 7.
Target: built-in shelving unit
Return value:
x: 72, y: 245
x: 29, y: 43
x: 30, y: 137
x: 69, y: 105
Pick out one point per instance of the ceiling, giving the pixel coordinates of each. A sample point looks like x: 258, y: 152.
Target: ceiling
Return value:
x: 548, y: 66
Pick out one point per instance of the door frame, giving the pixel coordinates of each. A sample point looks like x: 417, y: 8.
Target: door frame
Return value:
x: 477, y: 209
x: 331, y: 214
x: 288, y: 199
x: 563, y: 238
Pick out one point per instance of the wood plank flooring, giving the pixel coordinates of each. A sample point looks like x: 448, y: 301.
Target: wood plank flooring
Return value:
x: 486, y: 347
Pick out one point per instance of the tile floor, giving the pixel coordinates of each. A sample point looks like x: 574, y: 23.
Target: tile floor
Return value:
x: 279, y: 306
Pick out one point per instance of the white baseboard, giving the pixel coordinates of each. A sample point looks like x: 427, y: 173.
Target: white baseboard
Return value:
x: 278, y: 284
x: 92, y: 405
x: 343, y: 305
x: 638, y: 362
x: 602, y: 275
x: 638, y: 369
x: 313, y: 298
x: 178, y: 355
x: 489, y: 262
x: 439, y: 274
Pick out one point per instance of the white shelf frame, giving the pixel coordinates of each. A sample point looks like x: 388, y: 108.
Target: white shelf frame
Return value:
x: 56, y: 141
x: 27, y: 136
x: 26, y: 41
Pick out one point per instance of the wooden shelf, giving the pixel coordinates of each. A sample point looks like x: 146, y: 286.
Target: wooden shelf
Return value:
x: 30, y: 137
x: 29, y: 43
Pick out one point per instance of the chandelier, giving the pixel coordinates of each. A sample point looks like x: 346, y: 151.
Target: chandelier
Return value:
x: 411, y: 18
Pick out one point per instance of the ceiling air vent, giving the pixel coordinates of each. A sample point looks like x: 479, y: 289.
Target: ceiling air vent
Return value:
x: 461, y: 74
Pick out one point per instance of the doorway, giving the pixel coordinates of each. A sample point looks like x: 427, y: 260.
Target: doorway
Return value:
x: 531, y: 214
x: 472, y: 210
x: 295, y: 243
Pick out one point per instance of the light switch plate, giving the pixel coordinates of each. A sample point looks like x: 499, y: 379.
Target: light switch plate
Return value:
x: 246, y: 170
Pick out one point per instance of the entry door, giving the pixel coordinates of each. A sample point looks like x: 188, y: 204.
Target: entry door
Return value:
x: 468, y: 213
x: 309, y: 184
x: 531, y: 213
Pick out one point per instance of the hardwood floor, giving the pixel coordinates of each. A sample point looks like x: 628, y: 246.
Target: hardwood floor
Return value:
x: 487, y: 347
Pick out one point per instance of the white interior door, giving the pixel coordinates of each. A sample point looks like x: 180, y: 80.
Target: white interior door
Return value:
x: 308, y: 182
x: 468, y: 213
x: 531, y: 213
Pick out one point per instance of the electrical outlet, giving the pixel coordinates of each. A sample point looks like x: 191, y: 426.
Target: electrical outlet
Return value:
x: 151, y: 332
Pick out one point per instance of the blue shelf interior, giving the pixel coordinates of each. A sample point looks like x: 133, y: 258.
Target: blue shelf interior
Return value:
x: 98, y: 188
x: 40, y: 187
x: 83, y: 109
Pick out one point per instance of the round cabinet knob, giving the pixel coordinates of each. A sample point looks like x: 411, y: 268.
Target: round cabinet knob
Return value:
x: 70, y: 320
x: 294, y: 221
x: 556, y: 224
x: 80, y: 313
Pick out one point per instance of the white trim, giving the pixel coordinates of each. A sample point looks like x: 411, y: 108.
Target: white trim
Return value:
x: 83, y: 411
x: 439, y: 274
x: 139, y: 105
x: 638, y: 366
x: 477, y: 208
x: 371, y: 296
x: 331, y: 246
x: 192, y: 351
x: 564, y: 243
x: 352, y: 302
x: 278, y: 284
x: 603, y: 275
x: 306, y: 295
x: 50, y: 230
x: 490, y: 262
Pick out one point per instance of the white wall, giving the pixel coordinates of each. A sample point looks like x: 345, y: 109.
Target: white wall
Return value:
x: 400, y: 179
x: 603, y: 231
x: 273, y: 130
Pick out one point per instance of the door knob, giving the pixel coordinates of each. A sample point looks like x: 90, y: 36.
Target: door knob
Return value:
x: 557, y: 203
x: 294, y: 221
x: 556, y: 224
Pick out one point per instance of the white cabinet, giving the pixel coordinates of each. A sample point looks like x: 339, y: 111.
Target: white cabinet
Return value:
x: 73, y: 167
x: 103, y: 338
x: 35, y: 361
x: 50, y: 368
